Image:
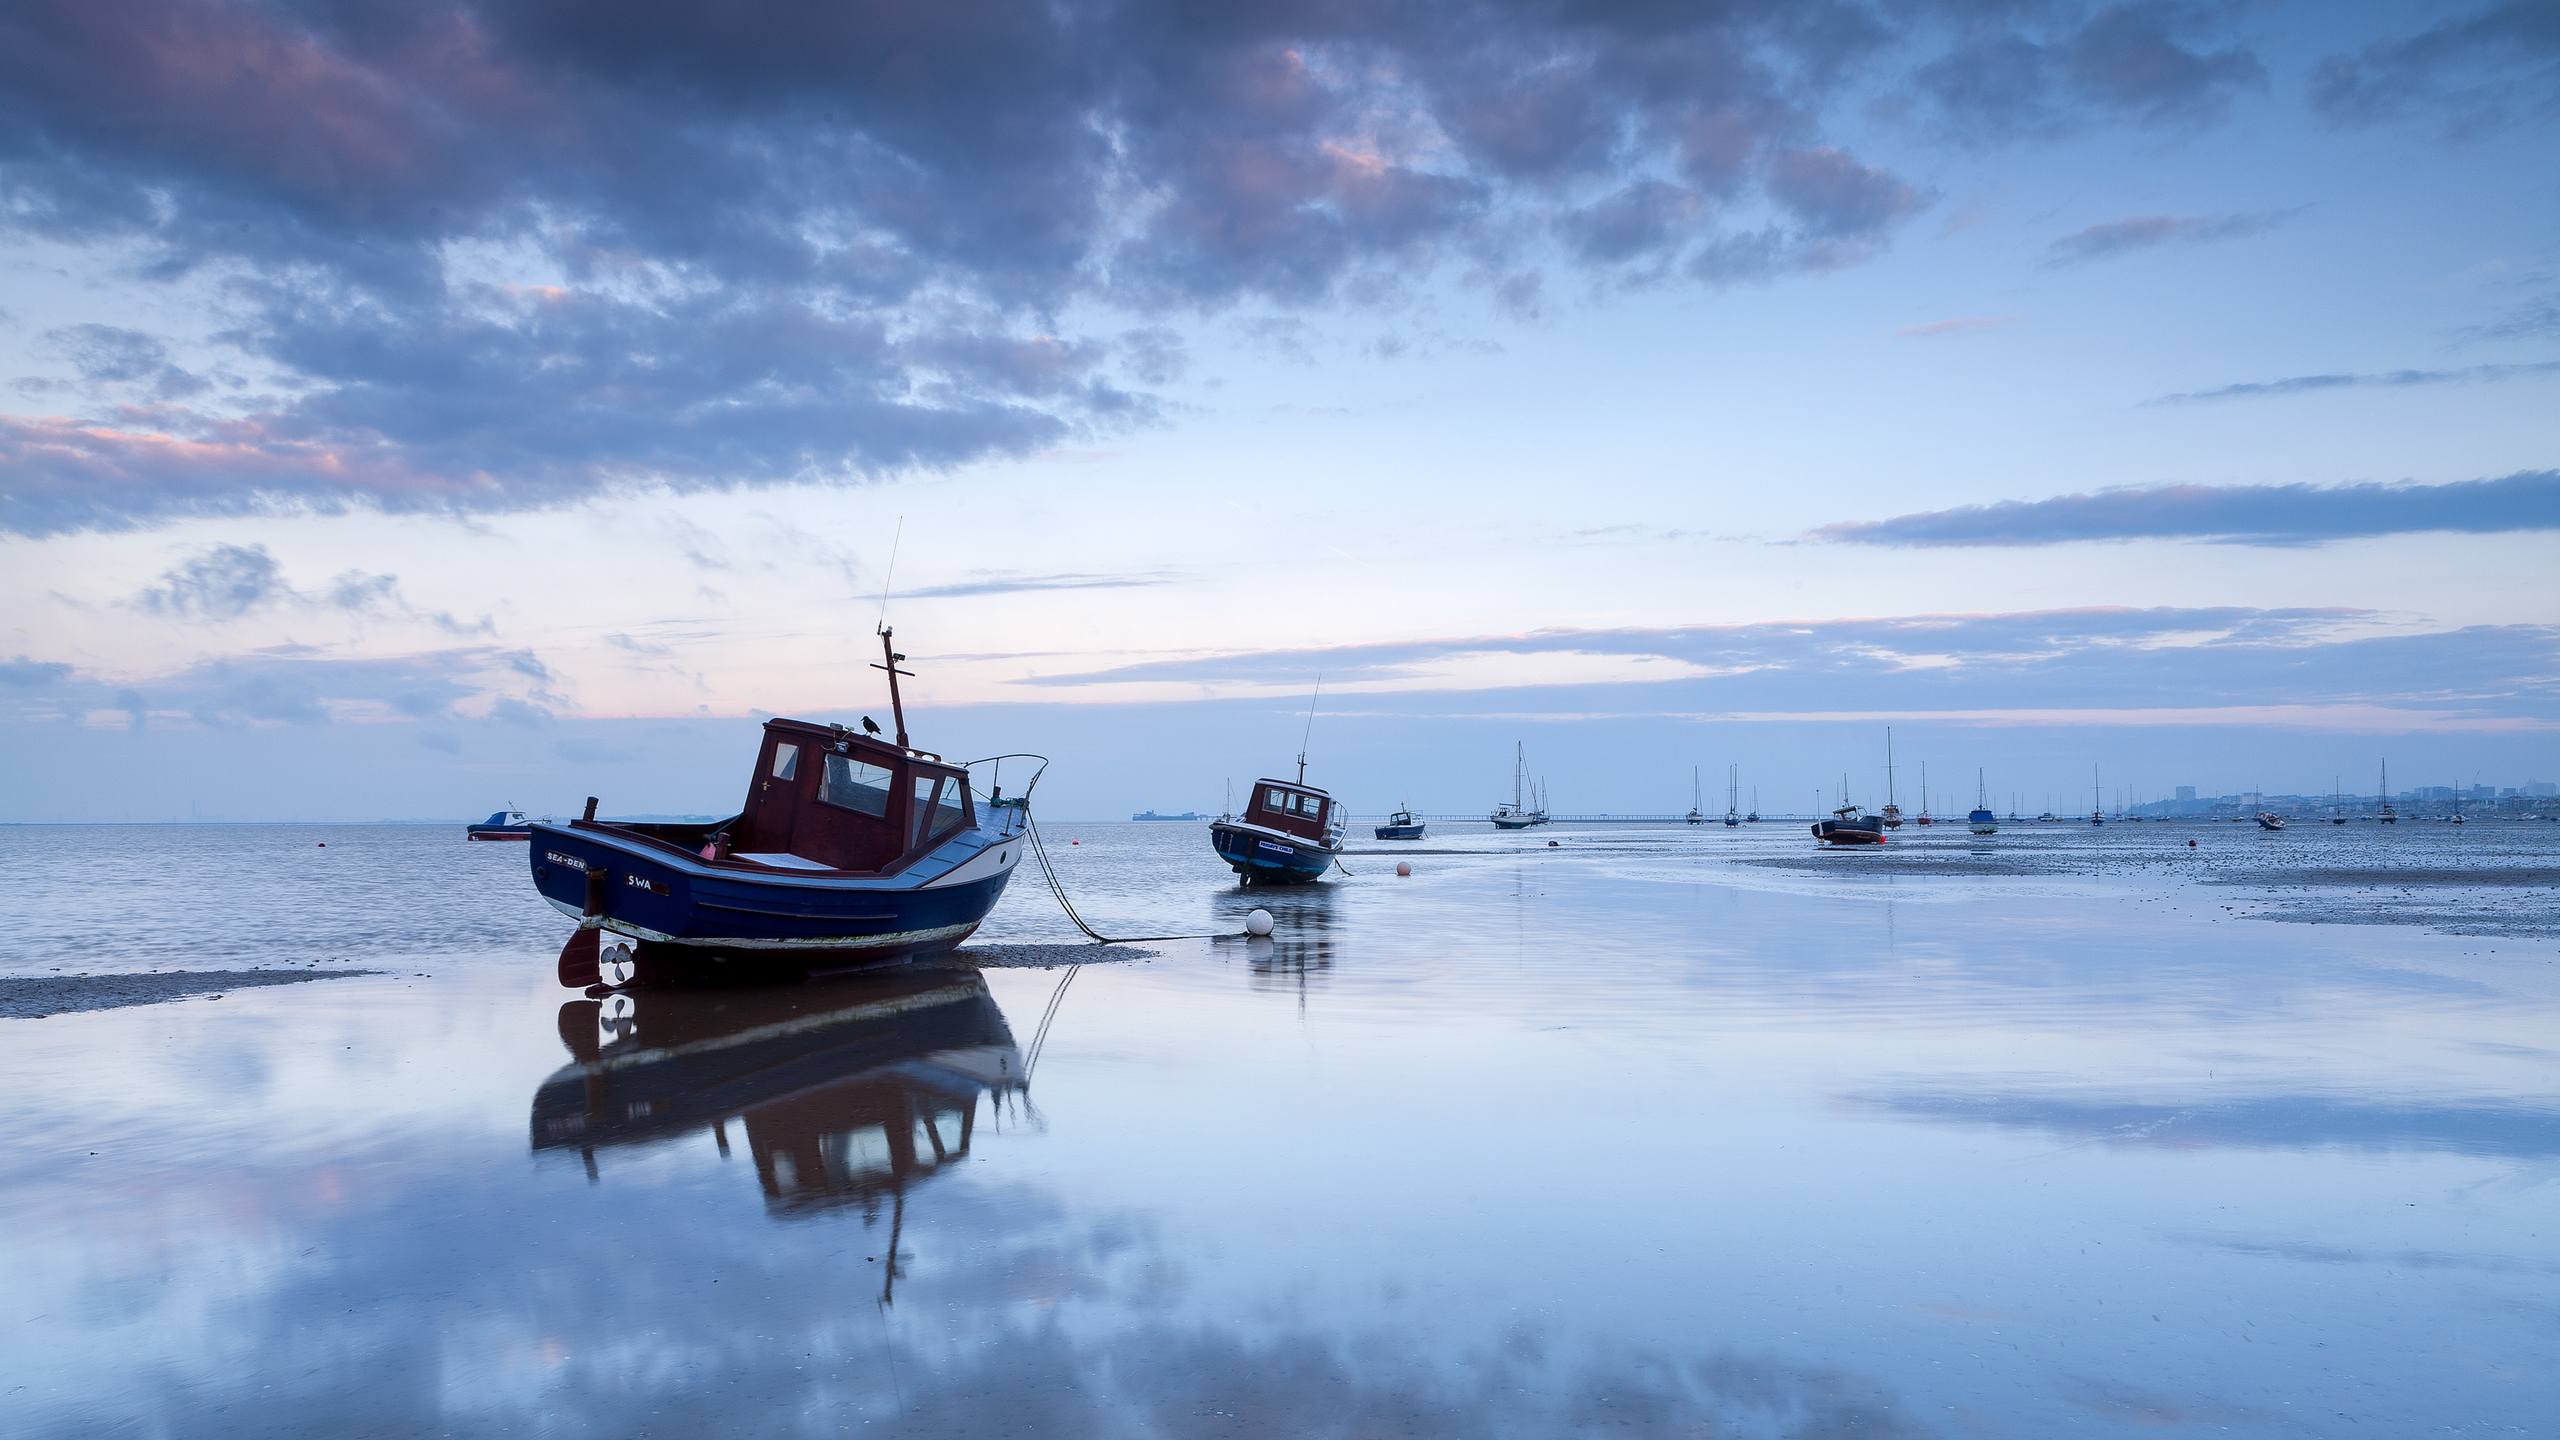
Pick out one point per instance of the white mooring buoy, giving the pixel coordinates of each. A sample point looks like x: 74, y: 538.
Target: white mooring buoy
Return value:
x: 1258, y: 923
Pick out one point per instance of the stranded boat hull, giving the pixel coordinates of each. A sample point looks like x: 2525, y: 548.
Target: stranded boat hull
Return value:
x: 658, y: 895
x: 1268, y: 856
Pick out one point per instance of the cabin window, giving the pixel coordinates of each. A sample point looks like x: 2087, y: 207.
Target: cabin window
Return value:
x: 1276, y: 799
x: 951, y: 810
x: 786, y: 761
x: 857, y: 785
x: 920, y: 814
x: 1310, y: 806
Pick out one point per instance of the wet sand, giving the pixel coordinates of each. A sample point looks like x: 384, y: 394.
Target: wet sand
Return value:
x: 35, y: 997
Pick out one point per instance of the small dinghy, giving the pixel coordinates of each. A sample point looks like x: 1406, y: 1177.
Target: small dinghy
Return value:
x: 848, y: 848
x: 1401, y: 826
x: 501, y: 825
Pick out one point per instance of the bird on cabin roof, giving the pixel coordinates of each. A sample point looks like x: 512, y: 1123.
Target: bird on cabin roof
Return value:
x: 870, y: 725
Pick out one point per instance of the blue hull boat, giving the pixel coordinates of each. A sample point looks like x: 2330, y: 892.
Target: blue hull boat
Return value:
x: 1258, y: 855
x: 501, y: 825
x: 1401, y: 826
x: 848, y: 848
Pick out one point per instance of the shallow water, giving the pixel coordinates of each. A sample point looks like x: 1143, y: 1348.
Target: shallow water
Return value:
x: 1656, y: 1131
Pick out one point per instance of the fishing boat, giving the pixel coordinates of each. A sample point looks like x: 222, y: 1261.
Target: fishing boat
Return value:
x: 1847, y: 826
x: 1401, y: 826
x: 1697, y: 802
x: 1290, y: 831
x: 501, y: 825
x: 1732, y: 796
x: 2386, y: 814
x: 1891, y: 816
x: 1980, y: 819
x: 848, y: 847
x: 1517, y: 813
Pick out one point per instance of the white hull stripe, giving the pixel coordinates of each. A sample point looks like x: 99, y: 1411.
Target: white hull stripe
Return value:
x: 894, y: 940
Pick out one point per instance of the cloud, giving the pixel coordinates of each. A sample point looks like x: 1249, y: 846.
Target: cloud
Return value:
x: 227, y: 582
x: 224, y: 583
x: 1008, y: 582
x: 2537, y: 319
x: 2146, y: 63
x: 2493, y: 66
x: 298, y: 685
x: 1953, y: 326
x: 2231, y: 514
x: 2388, y: 379
x: 21, y: 673
x: 2144, y: 232
x: 2334, y: 669
x: 498, y: 257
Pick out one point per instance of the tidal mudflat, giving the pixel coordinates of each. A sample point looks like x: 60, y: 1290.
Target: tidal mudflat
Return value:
x: 1652, y: 1132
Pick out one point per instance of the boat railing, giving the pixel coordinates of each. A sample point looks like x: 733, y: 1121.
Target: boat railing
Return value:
x: 993, y: 793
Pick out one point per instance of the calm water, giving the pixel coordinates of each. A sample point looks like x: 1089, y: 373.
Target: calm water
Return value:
x: 2026, y: 1137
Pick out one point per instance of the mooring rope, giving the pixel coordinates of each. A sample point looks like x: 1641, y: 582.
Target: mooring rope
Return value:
x: 1040, y: 851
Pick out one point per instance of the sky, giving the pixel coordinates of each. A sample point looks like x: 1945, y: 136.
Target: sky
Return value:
x: 408, y: 410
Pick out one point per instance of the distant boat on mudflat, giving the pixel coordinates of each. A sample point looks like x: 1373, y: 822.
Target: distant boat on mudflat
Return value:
x: 1847, y: 826
x: 1401, y: 826
x: 1697, y: 815
x: 1980, y: 818
x: 1732, y: 795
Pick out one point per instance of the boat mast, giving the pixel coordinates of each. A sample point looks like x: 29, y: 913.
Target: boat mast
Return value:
x: 897, y: 707
x: 1888, y: 767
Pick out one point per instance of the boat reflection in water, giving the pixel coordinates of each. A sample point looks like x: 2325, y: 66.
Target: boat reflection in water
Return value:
x: 849, y: 1091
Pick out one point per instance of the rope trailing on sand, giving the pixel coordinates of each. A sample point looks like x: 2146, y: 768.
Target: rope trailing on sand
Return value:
x: 1040, y: 851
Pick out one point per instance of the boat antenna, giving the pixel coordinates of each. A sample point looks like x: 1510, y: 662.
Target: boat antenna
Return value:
x: 1311, y: 728
x: 882, y: 624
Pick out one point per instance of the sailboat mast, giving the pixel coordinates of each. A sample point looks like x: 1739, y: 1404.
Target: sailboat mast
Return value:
x: 1888, y: 764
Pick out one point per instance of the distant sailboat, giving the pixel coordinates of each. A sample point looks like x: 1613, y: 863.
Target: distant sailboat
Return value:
x: 2097, y: 799
x: 1980, y: 819
x: 1891, y: 815
x: 1754, y: 817
x: 1697, y: 800
x: 1516, y: 813
x: 2337, y: 801
x: 1925, y: 817
x: 1732, y: 795
x: 2386, y: 814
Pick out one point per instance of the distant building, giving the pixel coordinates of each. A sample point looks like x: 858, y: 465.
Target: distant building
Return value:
x: 2542, y: 788
x: 2186, y: 792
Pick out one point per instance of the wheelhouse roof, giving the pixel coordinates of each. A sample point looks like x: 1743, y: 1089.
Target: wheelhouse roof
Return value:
x: 849, y: 741
x: 1297, y: 786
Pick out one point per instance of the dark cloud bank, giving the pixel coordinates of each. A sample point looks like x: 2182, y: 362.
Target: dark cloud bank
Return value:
x: 498, y: 256
x: 2247, y: 514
